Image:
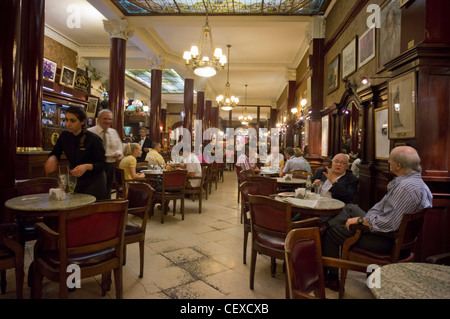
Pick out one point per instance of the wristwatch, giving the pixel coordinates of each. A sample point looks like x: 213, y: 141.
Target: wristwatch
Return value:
x: 360, y: 220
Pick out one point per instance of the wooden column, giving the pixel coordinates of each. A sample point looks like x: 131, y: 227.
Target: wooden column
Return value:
x: 215, y: 117
x: 230, y: 119
x: 188, y: 105
x: 290, y: 132
x: 9, y: 33
x: 164, y: 116
x: 155, y: 106
x: 119, y: 32
x: 208, y: 106
x: 31, y: 52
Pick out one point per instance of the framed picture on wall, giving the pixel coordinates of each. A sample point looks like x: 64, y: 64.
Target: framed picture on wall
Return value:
x: 349, y: 59
x: 402, y: 106
x: 388, y: 36
x: 381, y: 133
x: 67, y: 76
x: 49, y: 70
x: 333, y: 75
x: 325, y: 120
x: 366, y: 47
x: 91, y: 110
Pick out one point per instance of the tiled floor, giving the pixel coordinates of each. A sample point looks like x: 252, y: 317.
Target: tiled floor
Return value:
x: 198, y: 258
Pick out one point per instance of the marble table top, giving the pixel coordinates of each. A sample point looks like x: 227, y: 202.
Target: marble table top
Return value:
x: 43, y: 202
x: 152, y: 172
x: 411, y: 281
x: 323, y: 203
x: 296, y: 181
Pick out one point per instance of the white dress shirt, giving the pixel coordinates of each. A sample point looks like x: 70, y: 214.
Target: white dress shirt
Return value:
x: 113, y: 143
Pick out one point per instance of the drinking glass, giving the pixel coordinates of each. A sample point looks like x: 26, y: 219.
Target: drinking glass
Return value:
x: 72, y: 183
x: 62, y: 181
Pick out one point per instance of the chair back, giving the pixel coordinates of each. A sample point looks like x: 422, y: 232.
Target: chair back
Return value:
x: 36, y: 185
x: 92, y: 228
x: 269, y: 216
x: 245, y: 176
x: 408, y: 232
x: 249, y: 188
x: 119, y: 182
x: 267, y: 186
x: 174, y: 180
x: 139, y: 196
x: 299, y: 174
x: 304, y: 264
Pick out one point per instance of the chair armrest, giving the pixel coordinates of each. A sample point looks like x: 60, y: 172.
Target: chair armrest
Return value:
x: 357, y: 230
x: 309, y: 222
x: 344, y: 264
x: 46, y: 237
x: 440, y: 259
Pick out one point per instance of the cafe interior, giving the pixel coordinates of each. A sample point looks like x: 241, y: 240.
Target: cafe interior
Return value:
x: 358, y: 77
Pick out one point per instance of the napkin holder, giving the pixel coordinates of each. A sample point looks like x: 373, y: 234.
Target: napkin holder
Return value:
x: 57, y: 193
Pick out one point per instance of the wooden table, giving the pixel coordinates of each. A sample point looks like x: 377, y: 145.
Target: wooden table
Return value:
x: 411, y: 281
x: 37, y: 205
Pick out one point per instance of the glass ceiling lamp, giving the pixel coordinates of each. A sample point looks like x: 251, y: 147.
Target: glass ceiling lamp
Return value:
x: 245, y: 119
x: 205, y: 64
x: 227, y: 102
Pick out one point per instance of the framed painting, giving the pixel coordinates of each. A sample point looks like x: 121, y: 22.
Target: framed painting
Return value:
x: 366, y: 47
x: 325, y: 120
x: 381, y: 133
x: 402, y: 106
x: 91, y: 110
x: 333, y: 75
x: 81, y: 82
x: 67, y: 76
x: 388, y: 36
x: 49, y: 70
x: 349, y: 59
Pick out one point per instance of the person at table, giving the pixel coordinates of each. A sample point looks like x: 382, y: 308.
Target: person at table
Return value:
x: 190, y: 162
x: 294, y: 163
x: 111, y: 142
x: 154, y: 156
x: 85, y: 153
x: 144, y: 142
x: 337, y: 182
x: 406, y: 193
x: 128, y: 163
x: 275, y: 158
x: 244, y: 163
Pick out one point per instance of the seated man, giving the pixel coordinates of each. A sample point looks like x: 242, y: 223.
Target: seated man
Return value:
x: 275, y: 158
x: 154, y: 156
x: 339, y: 182
x: 191, y: 163
x: 294, y: 163
x: 244, y: 162
x: 406, y: 193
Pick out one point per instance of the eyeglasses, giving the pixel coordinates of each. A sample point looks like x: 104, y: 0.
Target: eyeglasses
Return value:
x: 340, y: 162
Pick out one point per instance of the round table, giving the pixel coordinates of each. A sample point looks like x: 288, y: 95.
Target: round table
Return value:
x: 324, y: 206
x: 36, y: 205
x: 411, y: 281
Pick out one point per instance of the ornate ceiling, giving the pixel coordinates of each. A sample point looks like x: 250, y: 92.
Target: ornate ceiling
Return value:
x: 228, y: 7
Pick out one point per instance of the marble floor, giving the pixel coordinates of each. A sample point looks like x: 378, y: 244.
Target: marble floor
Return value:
x: 196, y: 258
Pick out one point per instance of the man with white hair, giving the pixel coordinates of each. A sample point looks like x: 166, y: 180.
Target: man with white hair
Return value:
x: 406, y: 193
x: 112, y: 143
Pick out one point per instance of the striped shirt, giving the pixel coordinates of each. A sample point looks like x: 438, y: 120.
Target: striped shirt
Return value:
x: 406, y: 193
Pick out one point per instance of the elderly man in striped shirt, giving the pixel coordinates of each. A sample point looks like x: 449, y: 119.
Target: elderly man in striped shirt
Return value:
x: 406, y: 193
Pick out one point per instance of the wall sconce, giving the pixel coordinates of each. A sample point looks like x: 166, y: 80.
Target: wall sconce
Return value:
x: 294, y: 110
x: 303, y: 102
x: 365, y: 80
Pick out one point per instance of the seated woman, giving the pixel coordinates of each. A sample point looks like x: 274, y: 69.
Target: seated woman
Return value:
x: 128, y: 162
x: 337, y: 182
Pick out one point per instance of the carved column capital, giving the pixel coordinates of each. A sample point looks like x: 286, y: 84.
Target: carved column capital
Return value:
x: 157, y: 63
x: 118, y: 28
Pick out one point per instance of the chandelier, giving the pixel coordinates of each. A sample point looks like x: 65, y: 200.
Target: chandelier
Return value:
x: 206, y: 65
x: 227, y: 102
x: 245, y: 119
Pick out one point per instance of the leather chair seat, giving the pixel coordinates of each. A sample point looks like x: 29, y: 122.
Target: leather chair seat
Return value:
x: 270, y: 241
x: 131, y: 229
x: 88, y: 259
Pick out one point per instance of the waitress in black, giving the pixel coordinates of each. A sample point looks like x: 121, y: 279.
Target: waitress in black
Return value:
x: 85, y: 152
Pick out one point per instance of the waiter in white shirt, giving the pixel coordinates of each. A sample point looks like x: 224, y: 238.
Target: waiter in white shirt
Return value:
x: 111, y: 142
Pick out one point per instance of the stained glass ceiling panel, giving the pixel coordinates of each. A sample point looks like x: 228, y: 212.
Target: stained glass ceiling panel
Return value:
x: 172, y: 82
x: 228, y: 7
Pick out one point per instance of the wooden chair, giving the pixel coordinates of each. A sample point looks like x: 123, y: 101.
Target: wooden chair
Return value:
x: 247, y: 188
x: 299, y: 174
x: 271, y: 221
x: 28, y: 187
x: 238, y: 170
x: 11, y: 256
x: 267, y: 185
x: 173, y: 188
x: 119, y: 182
x: 213, y: 175
x: 91, y: 237
x: 304, y: 264
x: 402, y: 250
x: 140, y: 197
x: 197, y: 190
x: 244, y: 176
